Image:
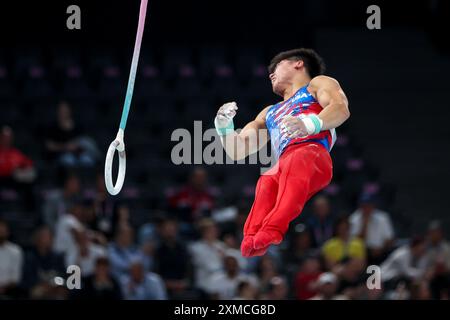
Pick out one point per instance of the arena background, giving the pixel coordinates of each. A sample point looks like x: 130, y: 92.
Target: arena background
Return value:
x: 196, y: 56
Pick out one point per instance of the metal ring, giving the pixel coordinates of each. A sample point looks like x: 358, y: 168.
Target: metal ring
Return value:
x: 115, y: 189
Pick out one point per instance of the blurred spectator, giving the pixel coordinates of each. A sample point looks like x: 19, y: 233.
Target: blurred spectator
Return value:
x: 245, y: 291
x: 90, y: 221
x: 68, y: 230
x: 41, y: 266
x: 16, y: 170
x: 57, y: 202
x: 122, y: 251
x: 172, y: 261
x: 402, y: 291
x: 223, y: 284
x: 148, y: 231
x: 352, y: 275
x: 66, y: 143
x: 207, y: 253
x: 142, y: 285
x: 85, y: 255
x: 231, y: 241
x: 148, y: 240
x: 148, y: 248
x: 372, y: 294
x: 420, y: 291
x: 103, y: 207
x: 277, y: 289
x: 300, y: 246
x: 305, y: 280
x: 266, y: 271
x: 235, y: 226
x: 11, y: 259
x: 374, y: 226
x: 321, y: 222
x: 438, y: 257
x: 194, y: 200
x: 342, y: 245
x: 99, y: 286
x: 406, y: 264
x: 326, y: 287
x: 121, y: 217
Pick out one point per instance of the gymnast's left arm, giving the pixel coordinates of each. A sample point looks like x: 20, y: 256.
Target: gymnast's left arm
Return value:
x: 331, y: 97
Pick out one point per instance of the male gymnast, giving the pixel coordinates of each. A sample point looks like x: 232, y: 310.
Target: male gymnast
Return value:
x: 302, y: 132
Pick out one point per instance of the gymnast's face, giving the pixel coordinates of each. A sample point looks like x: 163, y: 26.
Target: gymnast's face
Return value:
x: 284, y: 74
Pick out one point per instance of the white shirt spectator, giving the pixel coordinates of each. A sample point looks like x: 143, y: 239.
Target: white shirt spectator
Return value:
x: 64, y: 240
x: 400, y: 264
x: 206, y: 259
x: 225, y: 287
x: 152, y: 288
x: 11, y: 259
x: 86, y: 263
x: 379, y: 228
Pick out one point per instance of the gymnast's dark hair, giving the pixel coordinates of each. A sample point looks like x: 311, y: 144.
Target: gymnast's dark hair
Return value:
x: 313, y: 62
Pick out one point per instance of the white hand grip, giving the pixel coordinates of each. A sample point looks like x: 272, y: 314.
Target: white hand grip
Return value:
x: 120, y: 147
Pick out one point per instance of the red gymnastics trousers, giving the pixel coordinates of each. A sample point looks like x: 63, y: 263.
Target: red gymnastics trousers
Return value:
x: 302, y: 170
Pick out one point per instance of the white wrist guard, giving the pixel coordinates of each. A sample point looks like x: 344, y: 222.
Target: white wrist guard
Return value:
x: 224, y: 130
x: 313, y: 124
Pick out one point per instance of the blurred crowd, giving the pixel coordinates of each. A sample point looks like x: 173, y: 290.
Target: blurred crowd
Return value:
x: 190, y: 250
x: 55, y: 213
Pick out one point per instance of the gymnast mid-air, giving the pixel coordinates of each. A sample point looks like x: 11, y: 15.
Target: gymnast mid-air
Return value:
x: 301, y: 129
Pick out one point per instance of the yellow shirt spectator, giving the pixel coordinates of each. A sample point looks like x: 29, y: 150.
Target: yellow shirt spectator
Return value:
x: 335, y: 249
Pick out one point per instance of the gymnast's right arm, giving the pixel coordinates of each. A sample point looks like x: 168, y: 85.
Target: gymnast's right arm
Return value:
x: 249, y: 140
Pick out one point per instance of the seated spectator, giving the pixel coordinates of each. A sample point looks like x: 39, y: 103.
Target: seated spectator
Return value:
x: 352, y: 275
x: 148, y: 231
x: 68, y: 230
x: 245, y: 291
x: 41, y: 266
x: 277, y: 289
x: 230, y: 240
x: 195, y: 200
x: 266, y: 271
x: 207, y: 253
x: 16, y: 170
x: 420, y: 291
x: 142, y: 285
x: 90, y: 221
x: 148, y: 248
x: 438, y: 257
x: 85, y: 254
x: 172, y: 260
x: 99, y: 286
x: 223, y: 284
x: 148, y: 240
x: 57, y: 202
x: 342, y: 245
x: 375, y: 227
x: 306, y: 278
x: 326, y: 287
x: 300, y: 246
x: 104, y: 207
x: 11, y: 261
x: 122, y: 251
x: 232, y: 219
x: 66, y: 143
x: 121, y: 217
x: 321, y: 222
x: 406, y: 264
